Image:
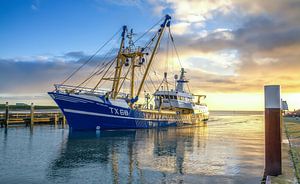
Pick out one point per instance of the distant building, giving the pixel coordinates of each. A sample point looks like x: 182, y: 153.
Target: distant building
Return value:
x: 284, y: 106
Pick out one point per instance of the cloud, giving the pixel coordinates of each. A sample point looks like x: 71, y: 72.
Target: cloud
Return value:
x: 76, y: 54
x: 35, y: 5
x: 226, y: 46
x: 226, y: 81
x: 29, y: 76
x: 195, y: 11
x: 265, y: 40
x: 180, y: 28
x: 38, y: 73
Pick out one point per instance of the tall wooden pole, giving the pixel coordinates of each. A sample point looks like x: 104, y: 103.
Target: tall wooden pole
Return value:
x: 6, y: 115
x: 272, y: 130
x: 31, y: 114
x: 132, y: 77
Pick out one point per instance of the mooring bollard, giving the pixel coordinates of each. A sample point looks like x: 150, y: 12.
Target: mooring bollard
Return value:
x: 6, y: 115
x: 31, y: 114
x: 272, y: 130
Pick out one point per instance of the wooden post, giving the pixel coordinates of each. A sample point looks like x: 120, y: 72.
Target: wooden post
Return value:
x: 63, y: 121
x: 31, y: 114
x: 272, y: 130
x: 55, y: 119
x: 6, y: 115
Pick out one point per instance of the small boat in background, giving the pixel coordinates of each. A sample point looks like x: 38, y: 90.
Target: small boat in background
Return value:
x: 97, y: 108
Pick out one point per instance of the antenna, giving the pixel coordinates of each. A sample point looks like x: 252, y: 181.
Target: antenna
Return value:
x: 130, y: 40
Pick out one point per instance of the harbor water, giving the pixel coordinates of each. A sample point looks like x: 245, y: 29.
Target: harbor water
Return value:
x: 229, y: 148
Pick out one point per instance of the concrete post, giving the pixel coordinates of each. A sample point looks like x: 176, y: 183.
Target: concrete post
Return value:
x: 31, y: 114
x: 272, y: 130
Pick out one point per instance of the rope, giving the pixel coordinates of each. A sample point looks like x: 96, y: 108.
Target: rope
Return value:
x: 155, y: 90
x: 167, y: 60
x: 188, y: 87
x: 151, y: 41
x: 98, y: 72
x: 153, y: 84
x: 124, y: 78
x: 99, y: 68
x: 177, y: 54
x: 172, y: 39
x: 112, y: 62
x: 148, y: 31
x: 90, y: 58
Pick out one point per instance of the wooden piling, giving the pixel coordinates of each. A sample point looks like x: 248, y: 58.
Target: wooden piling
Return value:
x: 273, y: 165
x: 63, y: 121
x: 6, y: 119
x: 55, y: 119
x: 31, y: 114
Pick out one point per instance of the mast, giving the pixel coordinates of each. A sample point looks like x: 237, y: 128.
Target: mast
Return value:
x: 132, y: 77
x: 181, y: 81
x: 161, y: 31
x: 119, y: 65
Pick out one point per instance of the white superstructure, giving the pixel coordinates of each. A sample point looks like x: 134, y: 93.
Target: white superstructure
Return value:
x: 179, y: 99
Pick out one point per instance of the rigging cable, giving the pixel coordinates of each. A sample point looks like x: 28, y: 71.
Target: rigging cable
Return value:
x: 148, y: 30
x: 155, y: 90
x: 90, y: 58
x: 151, y: 41
x: 133, y: 43
x: 112, y: 62
x: 125, y: 77
x: 177, y: 54
x: 98, y: 72
x: 188, y: 87
x: 98, y: 69
x: 109, y: 76
x: 172, y: 39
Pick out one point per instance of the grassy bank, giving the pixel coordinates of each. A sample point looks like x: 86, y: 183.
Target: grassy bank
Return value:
x: 26, y: 107
x: 292, y: 128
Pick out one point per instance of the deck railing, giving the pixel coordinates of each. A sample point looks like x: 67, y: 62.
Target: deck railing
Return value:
x: 85, y: 90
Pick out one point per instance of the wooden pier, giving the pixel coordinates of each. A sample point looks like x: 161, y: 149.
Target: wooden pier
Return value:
x: 30, y: 117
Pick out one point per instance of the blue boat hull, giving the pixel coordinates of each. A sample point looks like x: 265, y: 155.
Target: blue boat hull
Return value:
x: 85, y: 114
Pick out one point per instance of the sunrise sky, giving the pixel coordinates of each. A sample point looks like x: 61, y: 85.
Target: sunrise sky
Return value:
x: 231, y: 49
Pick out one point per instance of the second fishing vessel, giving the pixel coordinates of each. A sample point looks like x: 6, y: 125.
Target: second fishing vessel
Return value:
x: 97, y: 108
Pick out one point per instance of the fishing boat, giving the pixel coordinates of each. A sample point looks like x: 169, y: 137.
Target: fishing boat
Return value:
x: 92, y: 108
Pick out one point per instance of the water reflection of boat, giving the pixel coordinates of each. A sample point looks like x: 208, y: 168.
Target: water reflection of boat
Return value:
x: 124, y: 155
x: 89, y: 147
x: 177, y: 144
